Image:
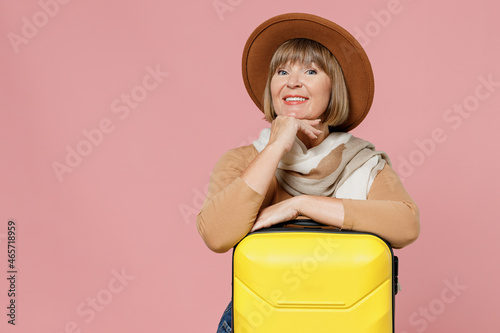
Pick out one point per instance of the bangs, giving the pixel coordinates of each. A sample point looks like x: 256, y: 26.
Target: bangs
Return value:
x: 303, y: 51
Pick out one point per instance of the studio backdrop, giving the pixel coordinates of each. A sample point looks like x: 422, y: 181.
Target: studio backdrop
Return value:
x: 113, y: 114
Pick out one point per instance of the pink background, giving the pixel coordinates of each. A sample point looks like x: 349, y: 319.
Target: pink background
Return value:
x: 128, y: 207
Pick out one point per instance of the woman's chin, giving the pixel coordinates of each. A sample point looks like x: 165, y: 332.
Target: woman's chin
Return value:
x: 293, y: 113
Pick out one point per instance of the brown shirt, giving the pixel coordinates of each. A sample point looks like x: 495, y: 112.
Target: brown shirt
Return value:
x: 231, y: 206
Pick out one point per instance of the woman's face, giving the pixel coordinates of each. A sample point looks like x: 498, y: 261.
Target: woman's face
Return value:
x: 300, y: 90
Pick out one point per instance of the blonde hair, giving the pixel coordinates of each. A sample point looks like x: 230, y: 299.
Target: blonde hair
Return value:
x: 306, y: 51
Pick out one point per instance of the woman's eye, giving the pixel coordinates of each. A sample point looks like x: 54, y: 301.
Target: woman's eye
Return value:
x: 281, y: 72
x: 311, y: 72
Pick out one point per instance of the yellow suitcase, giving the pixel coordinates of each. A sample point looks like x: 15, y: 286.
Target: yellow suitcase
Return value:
x: 313, y: 280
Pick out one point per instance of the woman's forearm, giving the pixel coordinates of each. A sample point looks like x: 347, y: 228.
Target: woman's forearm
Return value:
x: 260, y: 172
x: 397, y: 222
x: 326, y: 210
x: 388, y: 211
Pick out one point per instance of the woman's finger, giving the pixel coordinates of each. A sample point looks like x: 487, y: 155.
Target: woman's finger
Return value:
x: 307, y: 127
x: 284, y: 130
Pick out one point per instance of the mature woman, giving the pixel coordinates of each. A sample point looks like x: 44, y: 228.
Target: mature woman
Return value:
x: 314, y: 83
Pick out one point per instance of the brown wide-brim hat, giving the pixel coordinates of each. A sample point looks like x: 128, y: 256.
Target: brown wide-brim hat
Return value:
x: 268, y: 36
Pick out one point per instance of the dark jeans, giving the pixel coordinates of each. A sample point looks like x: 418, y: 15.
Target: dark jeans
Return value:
x: 225, y: 321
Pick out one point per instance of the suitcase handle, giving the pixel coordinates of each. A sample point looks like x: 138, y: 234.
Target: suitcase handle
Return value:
x: 301, y: 222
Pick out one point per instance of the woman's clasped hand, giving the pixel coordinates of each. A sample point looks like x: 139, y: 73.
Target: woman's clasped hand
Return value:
x: 284, y: 130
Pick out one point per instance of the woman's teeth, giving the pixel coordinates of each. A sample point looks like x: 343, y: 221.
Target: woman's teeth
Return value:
x: 294, y: 99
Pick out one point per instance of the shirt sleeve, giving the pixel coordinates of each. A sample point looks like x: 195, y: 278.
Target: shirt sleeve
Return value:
x: 231, y: 206
x: 389, y: 211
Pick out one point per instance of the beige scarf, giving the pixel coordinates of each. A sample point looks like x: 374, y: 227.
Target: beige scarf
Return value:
x: 342, y: 166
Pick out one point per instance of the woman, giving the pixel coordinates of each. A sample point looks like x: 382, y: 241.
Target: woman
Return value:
x: 314, y: 83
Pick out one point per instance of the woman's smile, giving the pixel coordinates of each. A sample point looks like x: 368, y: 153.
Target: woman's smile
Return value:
x: 294, y: 99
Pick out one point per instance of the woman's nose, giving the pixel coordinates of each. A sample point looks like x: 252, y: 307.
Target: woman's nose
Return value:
x: 294, y: 81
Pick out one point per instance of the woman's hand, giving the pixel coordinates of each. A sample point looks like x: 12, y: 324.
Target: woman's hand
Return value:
x: 284, y: 129
x: 325, y: 210
x: 283, y: 211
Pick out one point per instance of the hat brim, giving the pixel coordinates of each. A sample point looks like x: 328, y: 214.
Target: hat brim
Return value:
x: 268, y: 36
